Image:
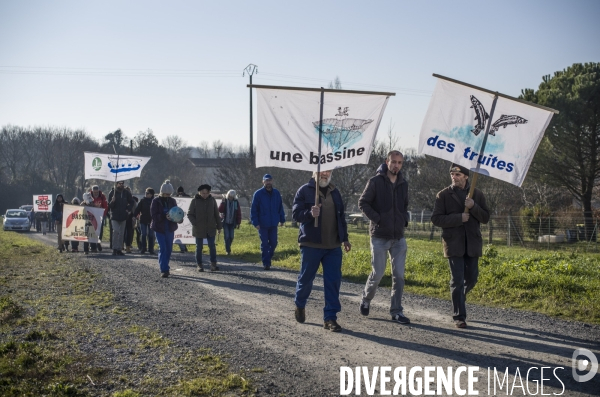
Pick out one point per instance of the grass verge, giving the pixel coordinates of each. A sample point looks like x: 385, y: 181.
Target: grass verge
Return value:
x: 57, y: 330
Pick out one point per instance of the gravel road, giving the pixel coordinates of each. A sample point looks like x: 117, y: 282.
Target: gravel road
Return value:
x: 247, y: 314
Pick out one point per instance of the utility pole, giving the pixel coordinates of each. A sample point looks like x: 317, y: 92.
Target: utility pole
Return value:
x: 250, y: 69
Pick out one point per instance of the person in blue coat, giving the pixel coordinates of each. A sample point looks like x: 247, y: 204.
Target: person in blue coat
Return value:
x: 266, y: 213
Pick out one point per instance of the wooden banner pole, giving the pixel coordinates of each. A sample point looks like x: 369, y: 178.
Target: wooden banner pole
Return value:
x: 485, y: 137
x: 318, y: 177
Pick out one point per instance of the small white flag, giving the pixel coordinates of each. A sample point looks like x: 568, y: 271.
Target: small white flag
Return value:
x: 456, y: 122
x: 288, y: 128
x: 42, y: 203
x: 111, y: 167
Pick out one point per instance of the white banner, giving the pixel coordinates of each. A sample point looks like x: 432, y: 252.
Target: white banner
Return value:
x: 183, y: 234
x: 42, y: 203
x: 288, y: 128
x: 455, y: 125
x: 110, y: 167
x: 81, y: 223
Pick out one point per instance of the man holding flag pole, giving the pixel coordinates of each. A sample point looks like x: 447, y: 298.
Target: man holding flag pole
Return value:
x: 318, y: 130
x: 452, y: 130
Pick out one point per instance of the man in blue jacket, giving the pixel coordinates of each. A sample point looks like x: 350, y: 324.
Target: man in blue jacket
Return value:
x: 265, y: 214
x: 320, y: 244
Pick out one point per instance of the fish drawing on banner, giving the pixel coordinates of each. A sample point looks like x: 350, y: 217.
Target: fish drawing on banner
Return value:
x: 481, y: 116
x: 123, y: 164
x: 342, y: 130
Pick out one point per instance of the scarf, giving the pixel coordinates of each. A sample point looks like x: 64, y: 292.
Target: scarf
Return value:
x: 229, y: 215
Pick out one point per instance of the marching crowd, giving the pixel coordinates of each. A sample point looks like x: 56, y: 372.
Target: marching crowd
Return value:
x: 319, y: 210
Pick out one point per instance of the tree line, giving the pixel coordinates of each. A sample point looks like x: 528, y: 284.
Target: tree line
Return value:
x: 566, y: 167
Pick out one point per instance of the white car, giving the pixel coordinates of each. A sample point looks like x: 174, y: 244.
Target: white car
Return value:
x: 16, y: 220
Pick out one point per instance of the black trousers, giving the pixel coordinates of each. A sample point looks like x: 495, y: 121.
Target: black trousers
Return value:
x: 464, y: 271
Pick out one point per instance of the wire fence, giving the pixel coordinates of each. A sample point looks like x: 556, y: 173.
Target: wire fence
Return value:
x: 566, y: 231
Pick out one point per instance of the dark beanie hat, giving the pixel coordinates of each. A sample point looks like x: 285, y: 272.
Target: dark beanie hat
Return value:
x: 180, y: 189
x: 150, y: 190
x: 205, y: 186
x: 459, y: 168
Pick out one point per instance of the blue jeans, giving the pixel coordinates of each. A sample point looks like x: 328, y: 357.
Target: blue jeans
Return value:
x: 332, y: 278
x: 464, y: 271
x: 380, y: 249
x: 228, y: 233
x: 147, y: 236
x: 268, y: 243
x: 211, y: 248
x: 165, y: 244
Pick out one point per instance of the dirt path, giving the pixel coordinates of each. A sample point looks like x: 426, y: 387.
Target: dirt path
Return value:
x: 247, y: 314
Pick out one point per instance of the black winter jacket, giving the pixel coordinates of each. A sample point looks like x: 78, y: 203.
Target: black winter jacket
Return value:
x: 447, y: 214
x: 386, y: 205
x: 143, y: 209
x: 123, y: 203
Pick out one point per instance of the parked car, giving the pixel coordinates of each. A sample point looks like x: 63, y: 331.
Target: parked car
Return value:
x: 16, y: 220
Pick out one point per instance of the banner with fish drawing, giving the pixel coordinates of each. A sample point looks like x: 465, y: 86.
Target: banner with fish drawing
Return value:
x: 288, y: 127
x: 456, y: 122
x: 111, y: 167
x: 81, y: 223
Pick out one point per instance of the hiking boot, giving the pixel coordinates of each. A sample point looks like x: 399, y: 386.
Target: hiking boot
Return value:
x: 164, y: 274
x: 200, y: 267
x: 332, y: 326
x: 128, y: 249
x: 364, y: 308
x: 120, y: 253
x: 300, y: 314
x: 460, y: 323
x: 60, y: 249
x: 99, y: 247
x: 400, y: 318
x: 267, y: 267
x: 152, y: 252
x: 213, y: 266
x: 143, y: 251
x: 94, y: 250
x: 115, y: 253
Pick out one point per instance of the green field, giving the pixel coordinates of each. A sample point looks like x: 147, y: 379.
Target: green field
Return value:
x: 565, y: 284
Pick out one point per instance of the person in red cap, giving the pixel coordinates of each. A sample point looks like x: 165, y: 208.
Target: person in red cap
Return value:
x: 461, y: 236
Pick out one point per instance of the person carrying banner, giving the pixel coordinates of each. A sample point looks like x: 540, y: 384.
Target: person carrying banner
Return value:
x: 231, y: 214
x: 320, y: 245
x: 163, y: 226
x: 43, y: 221
x: 57, y: 217
x: 385, y: 202
x: 461, y: 236
x: 120, y: 207
x: 142, y: 211
x: 181, y: 193
x: 266, y: 212
x: 206, y: 223
x: 98, y: 201
x: 38, y: 221
x: 128, y: 236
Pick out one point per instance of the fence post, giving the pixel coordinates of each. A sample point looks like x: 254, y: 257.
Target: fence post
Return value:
x: 508, y: 238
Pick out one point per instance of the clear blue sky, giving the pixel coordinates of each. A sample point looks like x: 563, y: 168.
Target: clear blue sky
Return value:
x: 176, y: 67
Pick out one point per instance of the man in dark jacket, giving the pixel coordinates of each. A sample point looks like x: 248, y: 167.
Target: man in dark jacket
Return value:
x: 385, y: 202
x: 120, y: 205
x: 461, y: 236
x: 265, y: 213
x: 320, y: 245
x: 143, y: 211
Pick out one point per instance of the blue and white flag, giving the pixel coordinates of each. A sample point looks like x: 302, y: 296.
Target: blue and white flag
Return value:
x: 288, y: 128
x: 456, y: 122
x: 111, y: 167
